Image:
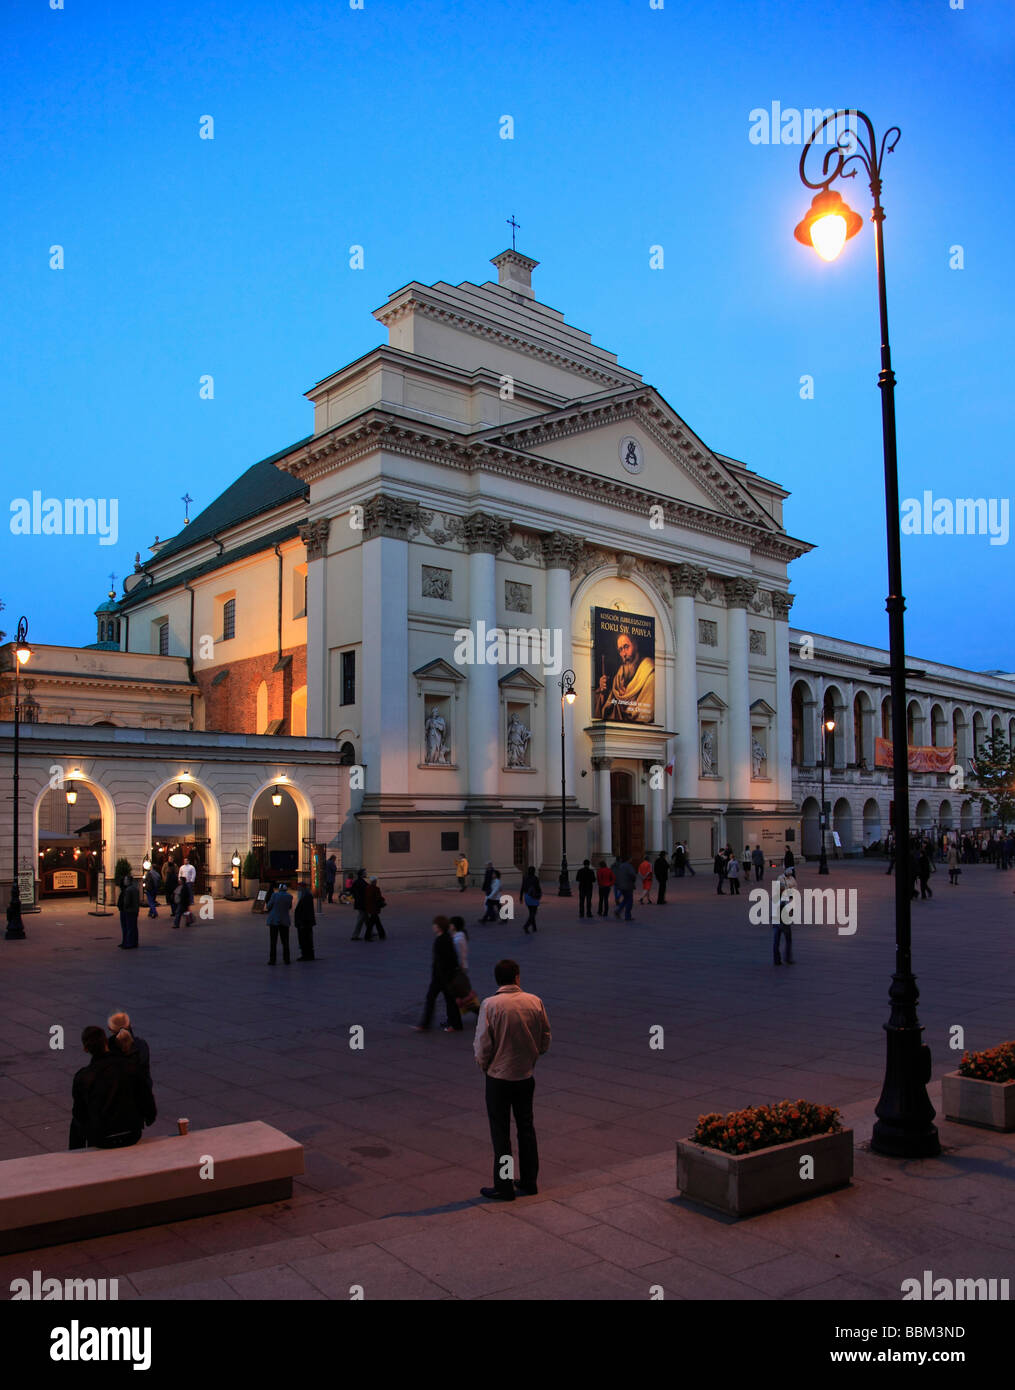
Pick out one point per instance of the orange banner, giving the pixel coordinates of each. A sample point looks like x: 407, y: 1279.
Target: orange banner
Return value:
x: 920, y: 759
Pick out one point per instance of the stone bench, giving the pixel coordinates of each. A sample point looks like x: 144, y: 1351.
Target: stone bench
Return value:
x: 49, y: 1199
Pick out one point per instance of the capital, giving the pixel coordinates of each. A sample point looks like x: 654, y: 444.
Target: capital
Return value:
x: 739, y: 592
x: 314, y: 536
x: 484, y: 534
x: 781, y: 604
x: 687, y: 579
x: 394, y: 517
x: 562, y: 551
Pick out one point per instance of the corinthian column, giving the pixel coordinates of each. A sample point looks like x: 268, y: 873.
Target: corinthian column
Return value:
x: 484, y: 535
x: 685, y: 581
x: 781, y: 604
x: 384, y: 690
x: 739, y: 593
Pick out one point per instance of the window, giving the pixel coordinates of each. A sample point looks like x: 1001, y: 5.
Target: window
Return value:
x: 348, y: 678
x: 300, y: 592
x: 398, y: 842
x: 228, y: 619
x: 449, y: 840
x: 163, y: 638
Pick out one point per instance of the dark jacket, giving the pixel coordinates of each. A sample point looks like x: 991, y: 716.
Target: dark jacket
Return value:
x: 111, y: 1100
x: 373, y: 899
x: 359, y: 887
x: 445, y: 959
x: 788, y: 860
x: 278, y: 908
x: 758, y: 857
x: 585, y: 878
x: 487, y: 879
x: 138, y: 1053
x: 330, y: 872
x: 129, y: 899
x: 304, y: 914
x: 626, y: 876
x: 662, y: 868
x: 719, y: 865
x: 172, y: 878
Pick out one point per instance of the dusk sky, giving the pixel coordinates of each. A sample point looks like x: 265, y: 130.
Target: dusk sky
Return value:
x: 380, y: 127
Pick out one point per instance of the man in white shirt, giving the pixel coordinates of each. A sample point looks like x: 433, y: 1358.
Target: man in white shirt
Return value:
x: 512, y: 1033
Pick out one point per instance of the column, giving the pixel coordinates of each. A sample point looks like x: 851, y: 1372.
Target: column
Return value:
x: 604, y: 796
x: 739, y: 593
x: 484, y: 535
x: 685, y: 581
x: 384, y: 693
x: 560, y: 553
x: 656, y: 838
x: 781, y: 604
x: 314, y: 536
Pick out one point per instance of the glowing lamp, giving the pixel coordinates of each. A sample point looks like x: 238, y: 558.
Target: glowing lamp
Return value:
x: 829, y: 224
x: 276, y: 798
x: 179, y: 800
x: 71, y: 795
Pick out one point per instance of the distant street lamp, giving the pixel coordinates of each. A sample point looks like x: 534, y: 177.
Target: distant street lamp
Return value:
x: 904, y: 1127
x: 22, y: 652
x: 827, y: 726
x: 567, y: 696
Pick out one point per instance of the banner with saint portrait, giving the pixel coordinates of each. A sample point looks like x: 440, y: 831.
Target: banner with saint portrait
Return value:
x: 623, y: 666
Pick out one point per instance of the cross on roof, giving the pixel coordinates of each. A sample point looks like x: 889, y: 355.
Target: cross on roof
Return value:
x: 112, y: 584
x: 514, y: 227
x: 186, y: 499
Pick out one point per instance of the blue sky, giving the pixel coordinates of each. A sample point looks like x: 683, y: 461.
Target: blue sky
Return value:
x: 380, y: 127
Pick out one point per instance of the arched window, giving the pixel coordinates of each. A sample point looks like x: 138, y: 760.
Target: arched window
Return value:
x: 298, y: 712
x: 262, y: 708
x: 347, y: 755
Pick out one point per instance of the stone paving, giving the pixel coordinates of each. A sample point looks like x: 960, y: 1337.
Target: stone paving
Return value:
x: 396, y: 1137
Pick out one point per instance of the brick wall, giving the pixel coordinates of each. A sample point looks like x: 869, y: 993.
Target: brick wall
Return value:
x: 231, y: 706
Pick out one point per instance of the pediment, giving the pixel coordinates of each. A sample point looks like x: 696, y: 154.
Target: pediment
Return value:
x: 438, y: 670
x: 519, y: 678
x: 712, y: 701
x: 762, y: 707
x: 591, y: 434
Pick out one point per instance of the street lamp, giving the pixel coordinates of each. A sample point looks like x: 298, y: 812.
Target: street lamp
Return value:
x: 22, y: 652
x: 567, y: 695
x: 827, y: 726
x: 905, y: 1125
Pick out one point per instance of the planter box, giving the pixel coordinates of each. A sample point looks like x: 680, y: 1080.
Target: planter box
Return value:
x: 741, y: 1185
x: 989, y: 1104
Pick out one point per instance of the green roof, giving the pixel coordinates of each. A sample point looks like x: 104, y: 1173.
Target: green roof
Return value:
x: 261, y: 488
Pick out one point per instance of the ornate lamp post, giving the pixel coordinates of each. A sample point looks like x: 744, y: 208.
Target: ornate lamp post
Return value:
x: 827, y: 726
x: 904, y: 1127
x: 567, y: 695
x: 22, y: 652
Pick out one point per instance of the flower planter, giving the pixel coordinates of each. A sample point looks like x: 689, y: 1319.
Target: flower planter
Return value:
x: 744, y: 1184
x: 989, y: 1104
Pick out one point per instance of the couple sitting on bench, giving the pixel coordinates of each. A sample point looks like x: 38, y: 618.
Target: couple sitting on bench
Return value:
x: 113, y: 1099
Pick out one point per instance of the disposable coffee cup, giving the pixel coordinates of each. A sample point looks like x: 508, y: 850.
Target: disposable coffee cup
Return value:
x: 183, y: 1126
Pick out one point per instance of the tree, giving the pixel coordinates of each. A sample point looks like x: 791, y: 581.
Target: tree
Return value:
x: 994, y: 775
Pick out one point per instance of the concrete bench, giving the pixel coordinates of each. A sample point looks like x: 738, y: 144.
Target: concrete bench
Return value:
x: 48, y: 1199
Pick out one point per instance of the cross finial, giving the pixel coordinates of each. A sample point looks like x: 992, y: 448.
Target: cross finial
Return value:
x: 186, y: 499
x: 112, y: 584
x: 514, y: 227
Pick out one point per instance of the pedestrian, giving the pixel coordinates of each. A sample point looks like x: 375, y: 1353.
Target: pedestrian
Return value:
x: 953, y: 865
x: 586, y: 880
x: 443, y: 970
x: 465, y: 996
x: 890, y: 851
x: 129, y: 1043
x: 358, y: 888
x: 532, y: 892
x: 687, y: 858
x: 461, y: 872
x: 170, y: 878
x: 733, y: 875
x: 188, y: 873
x: 924, y: 869
x: 758, y: 860
x: 645, y: 875
x: 492, y: 902
x: 719, y: 869
x: 625, y: 878
x: 152, y: 884
x: 111, y: 1100
x: 618, y: 896
x: 488, y: 874
x: 278, y: 906
x: 128, y: 903
x: 374, y: 903
x: 784, y: 887
x: 789, y: 860
x: 662, y: 872
x: 679, y: 862
x: 512, y: 1033
x: 330, y: 876
x: 182, y: 900
x: 305, y: 920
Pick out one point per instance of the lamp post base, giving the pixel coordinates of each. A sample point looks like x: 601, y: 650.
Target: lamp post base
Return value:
x: 823, y: 864
x: 564, y: 882
x: 15, y: 927
x: 905, y: 1126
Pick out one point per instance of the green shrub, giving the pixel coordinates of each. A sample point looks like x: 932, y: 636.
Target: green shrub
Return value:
x: 123, y: 868
x: 763, y: 1126
x: 251, y: 865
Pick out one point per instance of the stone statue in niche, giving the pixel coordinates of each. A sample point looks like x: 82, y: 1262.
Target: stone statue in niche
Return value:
x: 758, y: 757
x: 518, y: 737
x: 436, y: 729
x: 707, y: 754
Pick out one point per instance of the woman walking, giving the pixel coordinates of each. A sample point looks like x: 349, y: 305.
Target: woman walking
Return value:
x: 733, y: 875
x: 443, y: 970
x: 953, y: 864
x: 492, y: 913
x: 465, y: 996
x: 604, y: 877
x: 532, y: 891
x: 645, y: 874
x: 305, y: 920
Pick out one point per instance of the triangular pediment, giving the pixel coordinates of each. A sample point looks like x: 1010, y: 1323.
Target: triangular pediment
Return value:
x: 438, y: 670
x: 712, y: 701
x: 762, y: 707
x: 519, y: 678
x: 594, y: 434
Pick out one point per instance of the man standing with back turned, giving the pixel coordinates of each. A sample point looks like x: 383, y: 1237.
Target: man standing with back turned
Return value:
x: 512, y: 1033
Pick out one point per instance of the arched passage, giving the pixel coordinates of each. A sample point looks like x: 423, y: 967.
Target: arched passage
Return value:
x: 282, y: 834
x: 842, y: 823
x: 810, y: 828
x: 871, y: 821
x: 191, y: 832
x: 923, y: 819
x: 70, y: 827
x: 945, y: 815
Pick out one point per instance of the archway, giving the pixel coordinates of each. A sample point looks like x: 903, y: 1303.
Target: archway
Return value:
x: 803, y: 725
x: 966, y: 816
x: 871, y: 821
x: 945, y: 815
x: 915, y: 724
x: 69, y: 831
x: 187, y: 830
x: 283, y: 830
x: 923, y: 818
x: 863, y: 731
x: 810, y: 828
x: 960, y: 735
x: 979, y: 733
x: 842, y: 823
x: 834, y: 740
x: 92, y: 800
x: 938, y: 726
x: 886, y: 717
